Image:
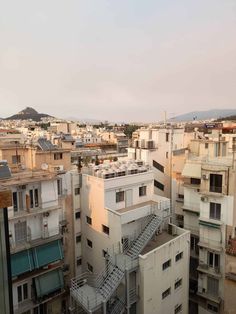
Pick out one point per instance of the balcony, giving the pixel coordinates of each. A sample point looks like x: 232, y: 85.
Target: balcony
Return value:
x: 208, y: 243
x: 193, y: 207
x: 231, y: 247
x: 32, y: 211
x: 209, y: 295
x: 230, y: 276
x: 206, y: 269
x: 32, y: 239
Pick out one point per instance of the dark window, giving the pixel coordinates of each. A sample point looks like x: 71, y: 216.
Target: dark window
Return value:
x: 89, y: 243
x: 158, y: 166
x: 216, y: 183
x: 178, y: 309
x: 178, y: 283
x: 206, y: 145
x: 159, y: 185
x: 195, y: 181
x: 89, y: 220
x: 213, y: 260
x: 166, y: 265
x: 22, y: 292
x: 77, y: 215
x: 79, y: 261
x: 59, y: 187
x: 90, y: 267
x: 142, y: 190
x: 104, y: 253
x: 105, y: 229
x: 34, y: 198
x: 14, y: 196
x: 77, y: 191
x: 167, y: 155
x: 212, y: 308
x: 181, y: 196
x: 165, y: 293
x: 215, y: 211
x: 178, y: 256
x: 194, y: 244
x: 78, y: 238
x: 167, y: 137
x: 58, y: 156
x: 120, y: 196
x: 16, y: 159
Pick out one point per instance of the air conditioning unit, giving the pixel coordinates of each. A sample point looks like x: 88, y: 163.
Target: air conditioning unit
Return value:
x: 205, y: 177
x: 59, y: 168
x: 46, y: 214
x: 204, y: 199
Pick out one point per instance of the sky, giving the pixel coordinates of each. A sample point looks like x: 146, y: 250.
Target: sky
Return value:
x: 117, y: 60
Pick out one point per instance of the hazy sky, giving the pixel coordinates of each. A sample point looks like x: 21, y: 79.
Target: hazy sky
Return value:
x: 120, y: 60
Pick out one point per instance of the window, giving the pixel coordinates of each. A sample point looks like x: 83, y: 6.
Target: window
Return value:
x: 213, y: 308
x: 90, y: 267
x: 215, y: 211
x: 167, y: 137
x: 105, y: 229
x: 16, y: 159
x: 212, y: 286
x: 18, y: 201
x: 89, y: 243
x: 34, y: 198
x: 142, y: 190
x: 77, y: 215
x: 216, y: 183
x: 22, y: 292
x: 167, y: 155
x: 78, y: 238
x: 166, y: 264
x: 213, y: 260
x: 194, y: 244
x: 120, y: 196
x: 79, y: 261
x: 195, y: 181
x: 178, y: 308
x: 20, y: 232
x: 59, y: 187
x: 89, y: 220
x: 178, y: 283
x: 206, y: 145
x: 159, y: 185
x: 178, y: 256
x: 77, y: 191
x: 104, y: 253
x: 158, y: 166
x: 165, y: 293
x: 58, y: 156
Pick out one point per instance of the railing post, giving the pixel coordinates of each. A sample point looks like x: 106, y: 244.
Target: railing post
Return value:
x: 127, y: 291
x: 104, y: 306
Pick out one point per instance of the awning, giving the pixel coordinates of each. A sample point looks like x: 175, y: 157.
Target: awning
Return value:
x: 21, y: 262
x: 47, y: 253
x: 49, y: 283
x: 192, y: 170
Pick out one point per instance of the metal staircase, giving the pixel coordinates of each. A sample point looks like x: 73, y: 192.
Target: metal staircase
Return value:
x: 147, y: 233
x: 92, y: 294
x: 118, y: 307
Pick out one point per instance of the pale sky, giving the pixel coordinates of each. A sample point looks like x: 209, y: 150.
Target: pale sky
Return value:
x: 117, y: 60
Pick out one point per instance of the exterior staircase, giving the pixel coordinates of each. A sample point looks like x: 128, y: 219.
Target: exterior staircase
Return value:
x: 147, y: 233
x: 92, y: 294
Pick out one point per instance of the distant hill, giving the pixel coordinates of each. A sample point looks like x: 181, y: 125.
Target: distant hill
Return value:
x: 28, y: 113
x: 229, y: 118
x: 205, y: 115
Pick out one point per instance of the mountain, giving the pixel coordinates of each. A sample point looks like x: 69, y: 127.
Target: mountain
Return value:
x: 28, y: 113
x: 205, y: 115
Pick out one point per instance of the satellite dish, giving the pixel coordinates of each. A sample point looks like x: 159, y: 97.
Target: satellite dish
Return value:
x: 44, y: 166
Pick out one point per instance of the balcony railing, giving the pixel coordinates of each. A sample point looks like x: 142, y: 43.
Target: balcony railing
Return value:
x: 215, y: 189
x: 31, y: 238
x: 205, y: 268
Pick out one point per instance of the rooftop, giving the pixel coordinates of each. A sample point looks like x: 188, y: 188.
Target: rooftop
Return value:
x: 157, y: 241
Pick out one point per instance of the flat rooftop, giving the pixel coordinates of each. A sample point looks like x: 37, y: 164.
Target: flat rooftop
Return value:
x: 157, y: 241
x: 127, y: 209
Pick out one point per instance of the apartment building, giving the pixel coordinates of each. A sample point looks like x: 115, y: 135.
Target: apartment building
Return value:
x: 133, y: 259
x: 163, y: 148
x: 5, y: 271
x: 209, y: 213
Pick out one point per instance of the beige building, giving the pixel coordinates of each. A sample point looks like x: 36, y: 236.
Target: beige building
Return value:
x: 128, y: 245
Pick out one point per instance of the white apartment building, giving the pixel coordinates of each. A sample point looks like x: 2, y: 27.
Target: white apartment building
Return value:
x: 209, y: 213
x: 163, y: 148
x: 36, y: 233
x: 133, y: 260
